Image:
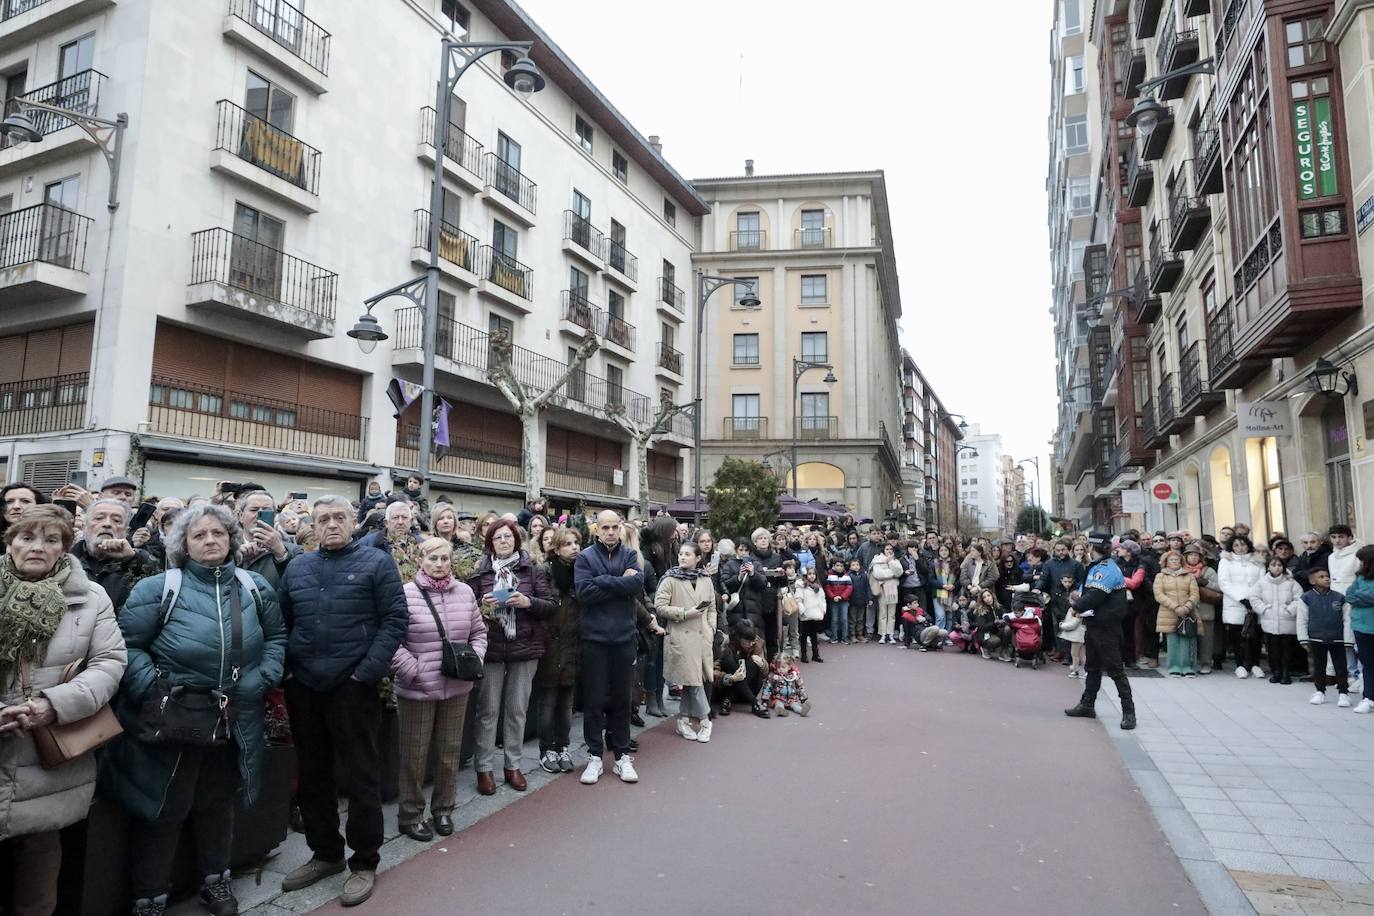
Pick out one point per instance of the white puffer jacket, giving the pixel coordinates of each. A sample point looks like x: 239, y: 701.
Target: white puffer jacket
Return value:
x: 1238, y: 577
x: 1277, y: 601
x: 1343, y: 566
x: 812, y: 601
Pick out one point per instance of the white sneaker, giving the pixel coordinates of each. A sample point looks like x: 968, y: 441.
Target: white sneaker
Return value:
x: 1343, y: 701
x: 1241, y: 673
x: 1257, y: 671
x: 625, y: 769
x: 704, y: 733
x: 685, y: 730
x: 1318, y: 699
x: 1363, y: 707
x: 593, y: 771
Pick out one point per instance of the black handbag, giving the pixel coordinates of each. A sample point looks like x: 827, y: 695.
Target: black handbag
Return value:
x: 194, y: 716
x: 459, y: 661
x: 1187, y: 626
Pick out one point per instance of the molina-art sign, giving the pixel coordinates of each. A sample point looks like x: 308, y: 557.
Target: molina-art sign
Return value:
x: 1316, y: 142
x: 1261, y: 419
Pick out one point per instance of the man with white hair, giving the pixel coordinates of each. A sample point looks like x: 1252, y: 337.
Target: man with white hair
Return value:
x: 346, y: 614
x: 264, y: 551
x: 106, y: 555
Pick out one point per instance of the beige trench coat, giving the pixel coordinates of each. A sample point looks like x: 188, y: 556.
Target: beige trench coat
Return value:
x: 687, y: 647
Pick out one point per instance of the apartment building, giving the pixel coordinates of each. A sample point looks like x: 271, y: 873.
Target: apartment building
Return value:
x: 818, y: 249
x: 1238, y: 291
x: 929, y: 437
x: 1013, y: 492
x: 982, y: 480
x: 276, y: 172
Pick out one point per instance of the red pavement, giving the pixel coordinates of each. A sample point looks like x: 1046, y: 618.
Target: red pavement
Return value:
x: 921, y: 783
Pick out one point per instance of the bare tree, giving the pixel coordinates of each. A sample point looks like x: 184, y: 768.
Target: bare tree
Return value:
x: 644, y: 435
x: 530, y: 404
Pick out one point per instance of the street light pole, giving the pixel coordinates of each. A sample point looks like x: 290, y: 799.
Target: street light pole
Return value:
x: 799, y: 368
x: 1035, y: 483
x: 108, y: 135
x: 706, y: 287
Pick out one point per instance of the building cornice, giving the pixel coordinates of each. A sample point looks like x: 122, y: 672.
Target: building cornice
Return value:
x: 818, y: 256
x: 1345, y: 18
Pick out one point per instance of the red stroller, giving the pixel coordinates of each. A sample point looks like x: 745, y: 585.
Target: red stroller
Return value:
x: 1026, y: 632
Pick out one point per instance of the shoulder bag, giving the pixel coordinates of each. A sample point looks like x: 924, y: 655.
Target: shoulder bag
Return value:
x: 460, y: 660
x: 63, y: 742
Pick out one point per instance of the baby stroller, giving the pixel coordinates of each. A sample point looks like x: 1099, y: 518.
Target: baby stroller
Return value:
x: 1027, y: 626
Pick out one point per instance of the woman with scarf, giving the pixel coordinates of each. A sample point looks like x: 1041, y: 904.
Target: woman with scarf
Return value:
x: 516, y: 598
x: 1209, y: 596
x: 976, y: 573
x: 1176, y: 591
x: 685, y: 604
x: 761, y: 576
x: 558, y: 669
x: 944, y: 575
x: 432, y: 707
x: 51, y: 616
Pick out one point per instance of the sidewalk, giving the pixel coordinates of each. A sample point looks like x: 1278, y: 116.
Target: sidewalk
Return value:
x: 1252, y: 785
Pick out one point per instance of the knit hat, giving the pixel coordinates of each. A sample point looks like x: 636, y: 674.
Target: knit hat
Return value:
x: 1131, y: 546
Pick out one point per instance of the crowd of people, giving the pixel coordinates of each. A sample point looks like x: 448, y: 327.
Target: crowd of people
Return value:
x: 213, y: 625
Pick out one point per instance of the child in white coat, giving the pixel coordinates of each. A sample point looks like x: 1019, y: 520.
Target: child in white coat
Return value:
x: 1072, y: 631
x: 1277, y: 599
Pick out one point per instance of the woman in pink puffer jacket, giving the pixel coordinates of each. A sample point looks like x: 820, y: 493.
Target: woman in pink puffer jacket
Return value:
x: 432, y: 707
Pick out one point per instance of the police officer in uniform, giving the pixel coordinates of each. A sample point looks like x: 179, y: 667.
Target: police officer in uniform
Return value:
x: 1102, y: 606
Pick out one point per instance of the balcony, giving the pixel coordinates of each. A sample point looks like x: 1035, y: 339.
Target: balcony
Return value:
x: 184, y: 410
x: 1153, y: 146
x: 748, y: 240
x: 1195, y: 396
x: 744, y: 428
x: 1189, y: 214
x: 816, y: 427
x: 464, y: 457
x: 1140, y: 178
x: 624, y: 266
x: 505, y: 187
x: 581, y: 316
x: 670, y: 298
x: 462, y: 154
x: 584, y: 241
x: 268, y: 158
x: 281, y: 33
x: 23, y: 21
x: 457, y: 250
x: 670, y: 362
x: 1151, y: 434
x: 1174, y: 51
x: 42, y: 254
x: 1131, y: 71
x: 43, y: 405
x: 814, y: 237
x: 583, y: 477
x: 1147, y: 17
x: 464, y: 354
x: 78, y: 92
x: 1166, y: 266
x: 1197, y: 8
x: 236, y: 275
x: 505, y: 279
x: 1228, y: 370
x: 1207, y: 176
x: 664, y: 489
x: 1146, y: 305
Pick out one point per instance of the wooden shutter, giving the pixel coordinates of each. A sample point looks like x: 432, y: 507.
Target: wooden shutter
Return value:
x: 609, y: 454
x: 42, y: 354
x: 330, y: 388
x: 581, y: 447
x: 188, y: 356
x: 259, y: 373
x: 76, y: 348
x: 45, y: 473
x: 12, y: 357
x: 556, y: 442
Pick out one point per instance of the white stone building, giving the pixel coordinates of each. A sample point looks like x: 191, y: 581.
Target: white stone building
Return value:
x: 982, y: 481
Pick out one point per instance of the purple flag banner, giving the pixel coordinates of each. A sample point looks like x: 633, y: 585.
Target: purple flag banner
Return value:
x: 403, y: 394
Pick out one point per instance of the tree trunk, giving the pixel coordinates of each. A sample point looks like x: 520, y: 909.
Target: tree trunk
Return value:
x: 531, y: 446
x: 641, y: 445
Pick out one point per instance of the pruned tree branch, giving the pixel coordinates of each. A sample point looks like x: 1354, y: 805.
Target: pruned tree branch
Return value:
x: 589, y: 346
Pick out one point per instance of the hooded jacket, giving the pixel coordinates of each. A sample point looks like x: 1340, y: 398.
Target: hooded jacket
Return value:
x: 1238, y: 576
x: 1177, y: 595
x: 1343, y: 566
x: 1276, y: 601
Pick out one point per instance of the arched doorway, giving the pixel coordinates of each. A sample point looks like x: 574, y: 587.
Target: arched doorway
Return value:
x: 817, y: 475
x: 1223, y: 497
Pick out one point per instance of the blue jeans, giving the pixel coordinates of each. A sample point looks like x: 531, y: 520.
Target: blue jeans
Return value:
x: 938, y: 607
x: 839, y: 621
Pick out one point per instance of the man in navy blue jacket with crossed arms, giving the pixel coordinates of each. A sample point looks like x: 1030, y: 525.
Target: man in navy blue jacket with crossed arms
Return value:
x: 608, y: 580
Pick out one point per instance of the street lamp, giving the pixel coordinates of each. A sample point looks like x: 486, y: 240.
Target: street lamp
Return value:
x: 1035, y: 483
x: 1148, y: 111
x: 749, y: 299
x: 963, y: 423
x: 523, y: 77
x: 799, y: 368
x: 1325, y: 378
x: 108, y: 135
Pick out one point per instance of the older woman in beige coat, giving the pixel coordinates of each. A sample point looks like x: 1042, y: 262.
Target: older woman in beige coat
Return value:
x: 51, y: 616
x: 685, y: 604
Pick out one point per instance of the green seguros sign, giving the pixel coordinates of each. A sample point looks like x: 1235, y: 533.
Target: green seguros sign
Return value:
x: 1316, y: 146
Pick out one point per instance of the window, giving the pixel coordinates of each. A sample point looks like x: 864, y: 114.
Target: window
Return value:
x: 813, y: 228
x: 255, y: 259
x: 668, y: 334
x: 507, y: 60
x: 615, y: 385
x: 456, y: 14
x: 577, y: 382
x: 73, y: 58
x: 1339, y: 484
x: 584, y: 133
x: 620, y: 167
x: 669, y: 212
x: 1181, y: 333
x: 1273, y: 484
x: 815, y: 413
x: 1080, y: 195
x: 506, y: 179
x: 1076, y: 134
x: 57, y: 230
x: 616, y: 252
x: 497, y: 322
x: 581, y: 204
x: 577, y: 284
x: 747, y: 232
x: 1317, y: 223
x: 741, y: 292
x: 1073, y: 74
x: 813, y: 289
x: 669, y: 293
x: 1073, y: 17
x: 504, y: 240
x: 270, y: 102
x: 744, y: 421
x: 814, y: 347
x: 1076, y: 248
x: 746, y: 350
x: 1306, y: 44
x: 615, y: 304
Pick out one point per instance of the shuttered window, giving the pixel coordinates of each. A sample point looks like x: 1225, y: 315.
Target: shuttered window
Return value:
x: 568, y: 445
x: 45, y: 473
x: 44, y: 354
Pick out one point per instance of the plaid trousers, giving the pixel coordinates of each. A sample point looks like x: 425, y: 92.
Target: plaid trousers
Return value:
x: 426, y: 722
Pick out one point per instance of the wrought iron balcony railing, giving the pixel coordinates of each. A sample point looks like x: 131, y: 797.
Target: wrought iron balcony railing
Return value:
x: 79, y: 92
x: 270, y: 148
x: 670, y: 358
x: 670, y: 294
x: 288, y: 27
x: 748, y: 240
x: 510, y: 181
x: 619, y: 257
x: 505, y: 272
x: 580, y: 231
x: 221, y: 256
x: 43, y: 405
x: 44, y: 232
x: 455, y: 245
x: 817, y: 427
x: 458, y: 146
x: 745, y: 428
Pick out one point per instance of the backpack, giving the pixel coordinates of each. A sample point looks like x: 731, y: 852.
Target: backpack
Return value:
x: 171, y: 587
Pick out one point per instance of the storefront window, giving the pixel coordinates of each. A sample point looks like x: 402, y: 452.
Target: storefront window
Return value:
x: 1273, y: 485
x: 1339, y: 486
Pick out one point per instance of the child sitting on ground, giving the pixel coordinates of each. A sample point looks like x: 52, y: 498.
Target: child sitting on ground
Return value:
x: 1324, y: 627
x: 784, y: 689
x: 960, y: 625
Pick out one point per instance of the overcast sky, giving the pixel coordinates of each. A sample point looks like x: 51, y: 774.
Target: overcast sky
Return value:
x: 955, y: 117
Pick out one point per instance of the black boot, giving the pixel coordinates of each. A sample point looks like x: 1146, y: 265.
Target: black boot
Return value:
x: 804, y: 657
x: 1128, y: 721
x: 1084, y: 709
x: 816, y: 655
x: 725, y: 705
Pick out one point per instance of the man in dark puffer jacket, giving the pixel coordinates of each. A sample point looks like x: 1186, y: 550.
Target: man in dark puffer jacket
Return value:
x: 346, y: 614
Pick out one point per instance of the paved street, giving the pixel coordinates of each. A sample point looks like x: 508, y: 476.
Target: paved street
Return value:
x: 938, y: 781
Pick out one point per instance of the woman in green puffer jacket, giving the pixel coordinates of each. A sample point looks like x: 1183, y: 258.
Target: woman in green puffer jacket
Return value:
x: 160, y: 785
x: 1360, y: 597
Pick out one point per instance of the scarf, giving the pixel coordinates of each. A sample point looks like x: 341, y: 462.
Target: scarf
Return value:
x: 506, y: 578
x: 431, y: 584
x: 29, y: 613
x: 562, y: 573
x: 690, y: 575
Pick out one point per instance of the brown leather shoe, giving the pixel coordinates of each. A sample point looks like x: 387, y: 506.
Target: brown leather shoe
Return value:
x: 516, y: 780
x: 486, y: 784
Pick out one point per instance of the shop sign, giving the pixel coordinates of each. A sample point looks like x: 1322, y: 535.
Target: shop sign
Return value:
x: 1165, y: 491
x: 1261, y: 419
x: 1132, y: 501
x: 1365, y: 215
x: 1316, y: 146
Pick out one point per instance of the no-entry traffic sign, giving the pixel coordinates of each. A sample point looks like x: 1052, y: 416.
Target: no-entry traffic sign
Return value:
x: 1165, y: 491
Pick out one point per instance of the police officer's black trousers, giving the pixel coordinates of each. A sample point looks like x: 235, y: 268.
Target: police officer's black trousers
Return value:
x: 1103, y: 647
